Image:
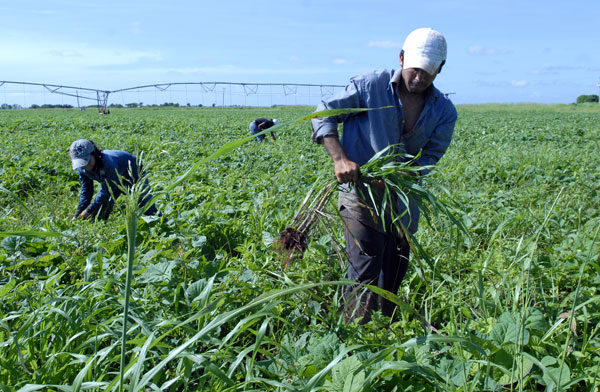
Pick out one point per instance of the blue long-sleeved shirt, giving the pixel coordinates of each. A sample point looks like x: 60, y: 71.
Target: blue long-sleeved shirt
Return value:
x: 367, y: 133
x: 114, y: 164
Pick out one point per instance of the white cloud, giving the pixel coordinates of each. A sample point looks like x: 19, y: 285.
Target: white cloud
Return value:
x: 556, y: 69
x: 340, y: 61
x: 225, y: 69
x: 489, y: 83
x: 479, y: 50
x: 68, y: 54
x: 384, y: 44
x: 519, y: 83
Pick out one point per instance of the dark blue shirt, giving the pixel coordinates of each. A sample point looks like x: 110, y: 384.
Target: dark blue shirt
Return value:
x: 115, y: 164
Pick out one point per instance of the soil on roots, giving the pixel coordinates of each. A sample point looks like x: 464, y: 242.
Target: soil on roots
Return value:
x: 291, y: 239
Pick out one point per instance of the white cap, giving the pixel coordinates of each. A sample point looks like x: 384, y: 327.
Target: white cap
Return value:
x: 424, y: 48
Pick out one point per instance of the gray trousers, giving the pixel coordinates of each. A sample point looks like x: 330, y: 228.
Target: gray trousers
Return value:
x: 376, y: 258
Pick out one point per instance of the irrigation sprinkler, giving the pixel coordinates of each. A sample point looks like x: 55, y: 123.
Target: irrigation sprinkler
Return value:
x: 239, y: 89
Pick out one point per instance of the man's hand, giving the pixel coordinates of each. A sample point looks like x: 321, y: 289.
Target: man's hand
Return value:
x: 84, y: 214
x: 346, y: 170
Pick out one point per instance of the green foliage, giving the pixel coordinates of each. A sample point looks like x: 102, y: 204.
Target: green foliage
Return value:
x: 587, y: 98
x: 515, y: 303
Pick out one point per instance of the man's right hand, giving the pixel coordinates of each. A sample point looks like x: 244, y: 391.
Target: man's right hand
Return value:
x: 84, y: 214
x: 346, y: 170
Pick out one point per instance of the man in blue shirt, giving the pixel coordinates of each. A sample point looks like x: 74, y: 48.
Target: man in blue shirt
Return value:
x: 259, y: 125
x: 110, y: 168
x: 420, y: 119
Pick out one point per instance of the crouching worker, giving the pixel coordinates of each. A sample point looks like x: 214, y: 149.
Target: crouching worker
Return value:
x: 110, y: 168
x: 259, y: 125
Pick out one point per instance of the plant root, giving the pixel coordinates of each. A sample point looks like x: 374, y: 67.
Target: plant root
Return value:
x: 291, y: 242
x: 292, y: 239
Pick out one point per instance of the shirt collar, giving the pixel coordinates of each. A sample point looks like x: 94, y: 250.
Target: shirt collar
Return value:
x: 397, y: 79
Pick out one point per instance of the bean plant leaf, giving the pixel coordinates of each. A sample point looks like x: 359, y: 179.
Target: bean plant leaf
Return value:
x: 159, y: 272
x: 517, y: 366
x: 267, y: 238
x: 454, y: 370
x: 509, y: 330
x: 555, y: 373
x: 346, y: 376
x: 12, y: 243
x: 199, y: 241
x: 535, y: 320
x: 5, y: 289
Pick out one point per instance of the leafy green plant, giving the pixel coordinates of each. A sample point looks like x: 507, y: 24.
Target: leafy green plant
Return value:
x: 514, y: 303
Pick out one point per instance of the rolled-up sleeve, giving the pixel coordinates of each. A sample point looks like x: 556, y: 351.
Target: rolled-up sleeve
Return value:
x: 86, y: 193
x: 328, y: 126
x: 440, y: 139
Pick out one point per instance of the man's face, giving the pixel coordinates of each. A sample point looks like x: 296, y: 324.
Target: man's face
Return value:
x: 90, y: 165
x: 416, y: 80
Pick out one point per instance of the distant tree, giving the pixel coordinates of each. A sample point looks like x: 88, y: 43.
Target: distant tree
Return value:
x: 587, y: 98
x: 53, y: 106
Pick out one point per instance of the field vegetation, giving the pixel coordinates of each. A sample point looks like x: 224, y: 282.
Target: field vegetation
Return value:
x: 510, y: 304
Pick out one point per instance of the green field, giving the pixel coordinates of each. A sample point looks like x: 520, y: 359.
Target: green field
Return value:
x: 513, y: 304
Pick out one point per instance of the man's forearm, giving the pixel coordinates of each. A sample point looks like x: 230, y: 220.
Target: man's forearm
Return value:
x: 346, y: 170
x: 334, y: 148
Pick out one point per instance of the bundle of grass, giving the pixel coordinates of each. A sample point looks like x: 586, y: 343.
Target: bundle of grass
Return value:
x: 387, y: 180
x: 293, y: 240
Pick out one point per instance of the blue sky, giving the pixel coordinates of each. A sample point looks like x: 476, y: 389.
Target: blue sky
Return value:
x: 498, y: 51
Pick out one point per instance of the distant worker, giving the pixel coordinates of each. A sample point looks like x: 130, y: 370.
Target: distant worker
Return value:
x: 417, y: 117
x: 110, y: 168
x: 259, y: 125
